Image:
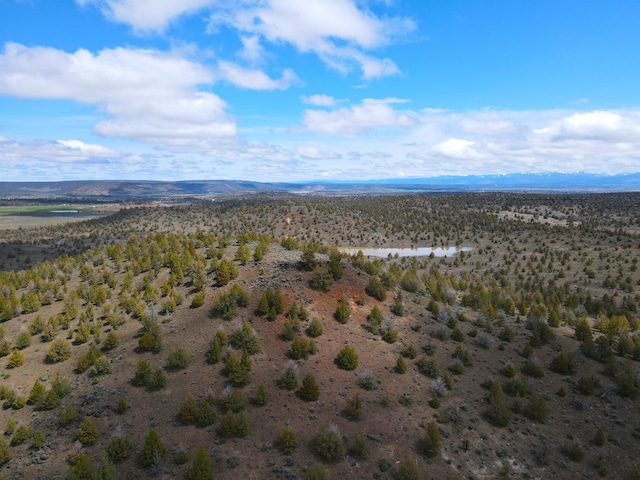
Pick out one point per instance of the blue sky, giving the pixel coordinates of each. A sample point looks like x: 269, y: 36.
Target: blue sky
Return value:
x: 285, y: 90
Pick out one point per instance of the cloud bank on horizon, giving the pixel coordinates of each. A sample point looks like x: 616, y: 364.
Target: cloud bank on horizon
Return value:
x: 284, y: 90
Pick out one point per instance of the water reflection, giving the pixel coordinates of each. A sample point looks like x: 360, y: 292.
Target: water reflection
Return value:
x: 406, y: 252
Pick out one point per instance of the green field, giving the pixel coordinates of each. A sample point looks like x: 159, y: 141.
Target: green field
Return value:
x: 15, y: 210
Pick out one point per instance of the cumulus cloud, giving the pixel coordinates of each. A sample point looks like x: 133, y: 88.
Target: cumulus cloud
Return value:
x: 341, y: 32
x: 146, y: 94
x: 457, y: 148
x: 252, y: 50
x: 487, y: 142
x: 147, y: 15
x: 370, y: 114
x: 336, y: 30
x: 255, y: 79
x: 319, y: 100
x: 68, y: 151
x: 317, y: 154
x: 596, y: 125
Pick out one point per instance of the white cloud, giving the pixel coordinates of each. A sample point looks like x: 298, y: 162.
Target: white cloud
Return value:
x: 147, y: 15
x: 487, y: 126
x: 598, y: 125
x: 456, y: 148
x: 255, y: 79
x: 370, y: 114
x: 319, y: 100
x: 317, y: 154
x: 91, y: 150
x: 252, y: 50
x: 146, y: 94
x: 336, y: 30
x: 493, y: 141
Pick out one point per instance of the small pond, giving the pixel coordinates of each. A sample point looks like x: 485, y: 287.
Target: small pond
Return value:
x: 406, y: 252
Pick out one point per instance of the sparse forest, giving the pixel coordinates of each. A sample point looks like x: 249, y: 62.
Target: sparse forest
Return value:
x: 233, y: 339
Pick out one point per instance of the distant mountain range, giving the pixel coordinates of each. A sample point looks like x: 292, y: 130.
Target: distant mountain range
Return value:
x: 127, y: 189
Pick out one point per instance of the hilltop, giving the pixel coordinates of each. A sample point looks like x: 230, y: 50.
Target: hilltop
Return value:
x: 520, y: 354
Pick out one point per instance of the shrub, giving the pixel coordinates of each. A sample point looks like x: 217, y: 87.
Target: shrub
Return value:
x: 214, y: 353
x: 587, y: 384
x: 143, y: 370
x: 197, y: 301
x: 237, y: 371
x: 20, y: 436
x: 347, y: 358
x: 462, y: 354
x: 498, y: 414
x: 206, y: 412
x: 600, y: 438
x: 148, y: 343
x: 111, y: 341
x: 327, y: 444
x: 401, y: 365
x: 367, y: 381
x: 226, y: 304
x: 431, y: 442
x: 59, y: 351
x: 37, y: 394
x: 533, y: 367
x: 38, y: 440
x: 357, y: 446
x: 515, y: 387
x: 409, y: 352
x: 353, y: 409
x: 60, y: 385
x: 232, y: 400
x: 87, y: 434
x: 22, y: 340
x: 102, y: 366
x: 507, y: 334
x: 234, y: 425
x: 627, y: 382
x: 428, y: 367
x: 302, y: 348
x: 5, y: 347
x: 408, y: 470
x: 315, y: 328
x: 261, y: 396
x: 16, y: 359
x: 376, y: 289
x: 119, y: 449
x: 317, y: 471
x: 179, y: 359
x: 439, y: 387
x: 374, y: 319
x: 6, y: 453
x: 289, y: 378
x: 201, y: 468
x: 537, y: 409
x: 157, y: 379
x: 67, y: 415
x: 573, y: 451
x: 343, y: 311
x: 287, y: 440
x: 152, y: 449
x: 321, y: 279
x: 309, y: 390
x: 509, y: 370
x: 390, y: 335
x: 564, y: 363
x: 188, y: 410
x: 122, y: 406
x: 88, y: 359
x: 246, y: 339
